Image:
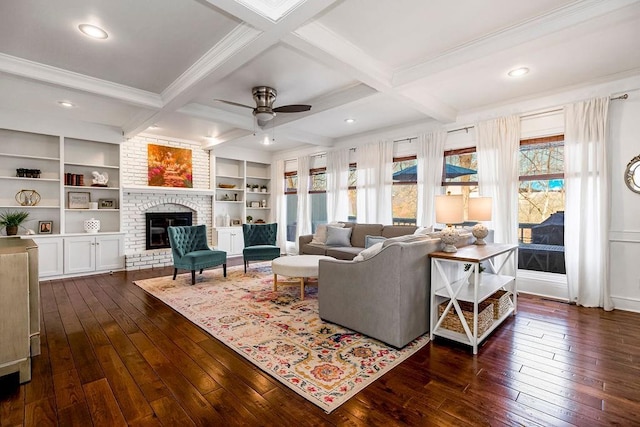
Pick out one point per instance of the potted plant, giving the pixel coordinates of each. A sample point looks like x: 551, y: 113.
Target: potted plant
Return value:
x: 11, y: 220
x: 255, y: 188
x: 249, y: 219
x: 471, y: 277
x: 263, y: 188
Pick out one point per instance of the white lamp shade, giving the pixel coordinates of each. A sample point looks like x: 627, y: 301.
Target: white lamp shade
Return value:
x: 449, y: 209
x: 479, y: 209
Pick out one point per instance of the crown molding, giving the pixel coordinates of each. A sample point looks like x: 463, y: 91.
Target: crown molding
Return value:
x: 554, y: 21
x: 59, y: 77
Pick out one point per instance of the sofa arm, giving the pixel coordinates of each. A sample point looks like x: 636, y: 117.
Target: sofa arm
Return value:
x: 385, y: 297
x: 304, y: 240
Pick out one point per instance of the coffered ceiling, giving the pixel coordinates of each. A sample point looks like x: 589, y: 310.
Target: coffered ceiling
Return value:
x: 383, y: 64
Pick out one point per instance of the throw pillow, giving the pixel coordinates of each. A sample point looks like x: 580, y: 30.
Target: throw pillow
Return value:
x: 423, y: 230
x: 372, y: 240
x: 337, y: 236
x: 405, y: 239
x: 320, y: 237
x: 369, y: 252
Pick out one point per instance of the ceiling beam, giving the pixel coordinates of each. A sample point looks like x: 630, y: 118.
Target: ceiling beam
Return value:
x: 243, y: 44
x: 242, y: 121
x: 322, y: 44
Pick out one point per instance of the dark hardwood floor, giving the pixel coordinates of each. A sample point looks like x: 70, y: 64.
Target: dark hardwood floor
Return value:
x: 113, y: 355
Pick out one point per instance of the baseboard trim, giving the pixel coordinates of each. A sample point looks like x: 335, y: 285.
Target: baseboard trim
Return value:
x: 626, y: 303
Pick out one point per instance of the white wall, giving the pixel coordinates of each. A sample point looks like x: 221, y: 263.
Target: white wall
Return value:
x: 625, y: 204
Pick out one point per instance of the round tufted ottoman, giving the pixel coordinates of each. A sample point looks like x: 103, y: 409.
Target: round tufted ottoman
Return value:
x: 297, y: 266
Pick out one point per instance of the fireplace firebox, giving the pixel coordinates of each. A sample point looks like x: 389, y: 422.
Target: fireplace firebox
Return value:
x: 157, y: 223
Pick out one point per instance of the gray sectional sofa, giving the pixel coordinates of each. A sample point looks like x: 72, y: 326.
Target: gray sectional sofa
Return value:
x: 387, y: 296
x: 358, y: 234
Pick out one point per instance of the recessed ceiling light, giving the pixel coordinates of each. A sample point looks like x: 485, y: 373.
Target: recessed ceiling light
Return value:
x: 349, y: 120
x: 93, y: 31
x: 517, y: 72
x: 266, y: 140
x: 66, y: 104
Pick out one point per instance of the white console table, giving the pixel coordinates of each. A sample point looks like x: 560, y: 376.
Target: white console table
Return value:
x: 449, y: 282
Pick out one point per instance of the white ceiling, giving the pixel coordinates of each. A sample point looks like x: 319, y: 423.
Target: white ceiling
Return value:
x: 383, y: 64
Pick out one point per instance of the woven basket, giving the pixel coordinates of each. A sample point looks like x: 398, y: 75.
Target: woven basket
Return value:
x: 501, y: 303
x: 452, y: 321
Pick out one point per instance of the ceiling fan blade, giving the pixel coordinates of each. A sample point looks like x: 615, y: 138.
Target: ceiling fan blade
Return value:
x: 293, y: 108
x: 234, y: 103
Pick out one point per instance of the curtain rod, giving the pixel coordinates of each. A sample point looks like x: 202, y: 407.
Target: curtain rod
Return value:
x: 466, y: 128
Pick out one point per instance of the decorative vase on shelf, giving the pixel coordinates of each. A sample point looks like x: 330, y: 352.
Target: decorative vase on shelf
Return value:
x: 92, y: 225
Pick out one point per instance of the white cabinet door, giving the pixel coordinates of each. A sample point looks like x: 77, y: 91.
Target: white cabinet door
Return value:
x: 230, y: 240
x: 50, y: 261
x: 237, y: 242
x: 79, y: 254
x: 109, y: 252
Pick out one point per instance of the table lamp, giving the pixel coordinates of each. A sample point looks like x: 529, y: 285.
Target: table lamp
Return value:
x: 449, y: 211
x: 480, y: 210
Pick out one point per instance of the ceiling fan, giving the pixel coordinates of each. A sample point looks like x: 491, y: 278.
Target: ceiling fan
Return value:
x: 264, y: 97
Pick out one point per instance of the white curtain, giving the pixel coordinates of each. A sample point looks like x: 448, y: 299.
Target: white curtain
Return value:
x: 587, y: 203
x: 338, y: 185
x: 280, y: 204
x: 303, y: 218
x: 498, y: 149
x: 375, y: 170
x: 430, y: 153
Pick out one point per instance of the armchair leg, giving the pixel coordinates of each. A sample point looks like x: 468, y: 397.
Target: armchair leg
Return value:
x: 224, y: 270
x: 175, y: 272
x: 193, y: 277
x: 201, y: 271
x: 245, y: 266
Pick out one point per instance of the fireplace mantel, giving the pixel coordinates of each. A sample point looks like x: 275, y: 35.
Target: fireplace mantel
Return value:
x: 137, y: 189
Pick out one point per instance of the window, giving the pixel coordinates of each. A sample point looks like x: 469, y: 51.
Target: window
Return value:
x: 353, y: 179
x: 318, y: 193
x: 404, y: 194
x: 541, y: 199
x: 460, y: 173
x: 291, y: 195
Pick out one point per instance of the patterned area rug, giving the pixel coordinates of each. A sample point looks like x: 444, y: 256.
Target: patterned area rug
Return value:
x: 285, y: 337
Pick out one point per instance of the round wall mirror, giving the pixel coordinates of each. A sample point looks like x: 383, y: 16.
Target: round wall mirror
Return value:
x: 632, y: 174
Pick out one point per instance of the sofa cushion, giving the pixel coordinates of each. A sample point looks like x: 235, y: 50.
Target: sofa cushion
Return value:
x: 396, y: 230
x: 339, y: 236
x: 372, y: 240
x: 320, y: 236
x: 345, y: 253
x: 314, y: 249
x: 362, y: 230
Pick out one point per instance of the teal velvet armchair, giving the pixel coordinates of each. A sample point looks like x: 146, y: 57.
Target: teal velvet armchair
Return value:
x: 191, y: 251
x: 259, y: 243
